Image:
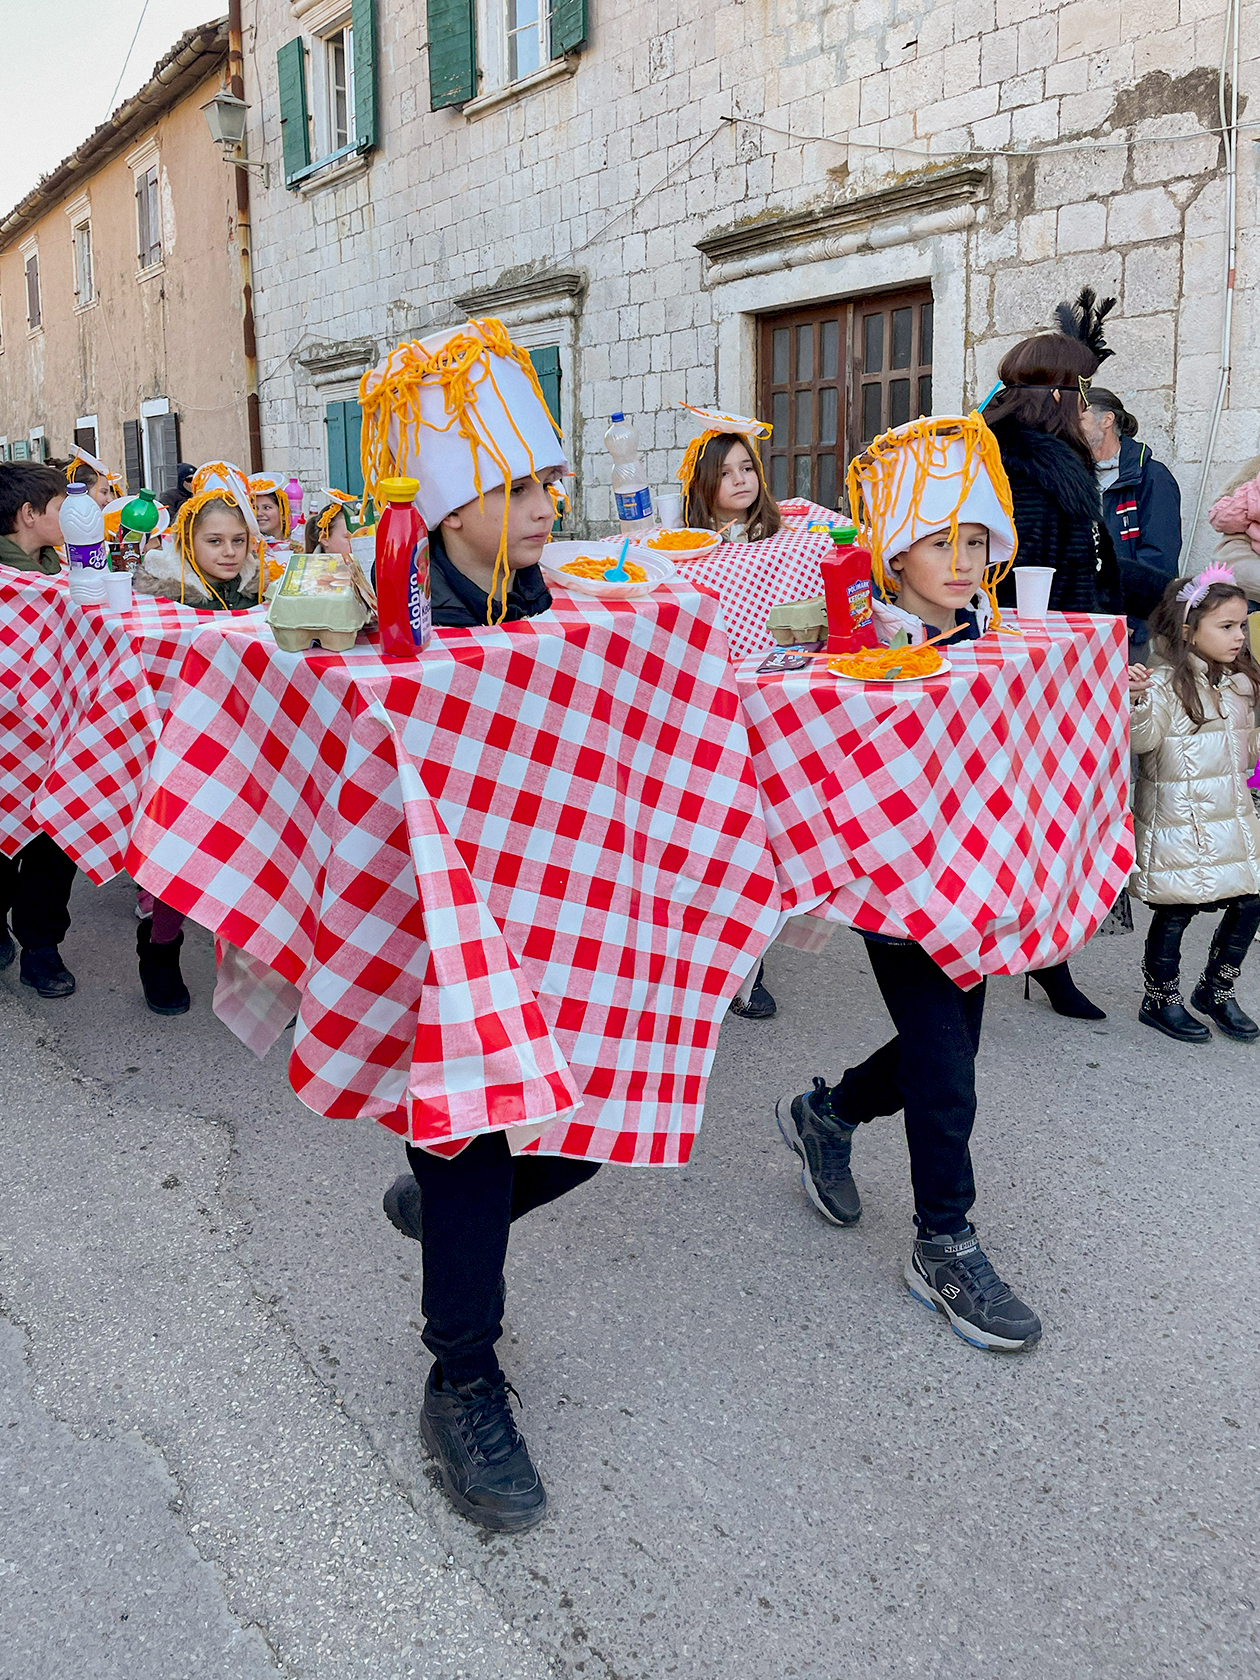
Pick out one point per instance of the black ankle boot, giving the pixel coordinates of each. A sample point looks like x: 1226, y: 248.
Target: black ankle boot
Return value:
x: 164, y: 988
x: 1066, y: 997
x: 1163, y: 1009
x: 43, y: 969
x: 1214, y: 997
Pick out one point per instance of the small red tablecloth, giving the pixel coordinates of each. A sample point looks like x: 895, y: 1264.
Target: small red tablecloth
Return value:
x: 982, y: 813
x: 523, y: 872
x: 78, y: 724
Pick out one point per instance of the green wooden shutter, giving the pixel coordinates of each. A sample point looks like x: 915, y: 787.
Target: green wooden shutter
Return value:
x: 452, y: 53
x: 546, y: 362
x: 343, y: 423
x: 568, y: 27
x: 294, y: 128
x: 363, y: 23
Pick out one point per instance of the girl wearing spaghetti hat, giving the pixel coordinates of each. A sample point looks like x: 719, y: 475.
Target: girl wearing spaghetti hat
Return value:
x: 209, y: 559
x: 934, y: 507
x: 103, y: 486
x: 724, y: 486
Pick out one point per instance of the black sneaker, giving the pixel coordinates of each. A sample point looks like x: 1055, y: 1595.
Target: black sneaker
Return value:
x: 487, y: 1473
x: 8, y: 950
x: 402, y: 1206
x: 43, y: 968
x: 952, y: 1275
x: 823, y: 1143
x: 760, y: 1006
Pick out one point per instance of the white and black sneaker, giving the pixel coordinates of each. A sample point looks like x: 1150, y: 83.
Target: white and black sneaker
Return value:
x: 811, y: 1130
x: 952, y: 1275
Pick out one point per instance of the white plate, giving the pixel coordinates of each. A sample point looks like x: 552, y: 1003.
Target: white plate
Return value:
x: 677, y: 554
x: 865, y: 682
x: 555, y: 555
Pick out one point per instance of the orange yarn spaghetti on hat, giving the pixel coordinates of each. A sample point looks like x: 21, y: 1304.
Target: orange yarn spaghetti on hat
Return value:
x: 459, y: 368
x: 876, y: 484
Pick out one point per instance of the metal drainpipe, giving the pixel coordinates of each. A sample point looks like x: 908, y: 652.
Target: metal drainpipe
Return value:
x: 236, y: 86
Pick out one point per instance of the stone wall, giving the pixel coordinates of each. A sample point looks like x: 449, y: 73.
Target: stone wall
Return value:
x: 874, y: 144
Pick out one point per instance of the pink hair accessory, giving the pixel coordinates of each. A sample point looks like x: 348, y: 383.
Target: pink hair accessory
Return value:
x: 1193, y: 592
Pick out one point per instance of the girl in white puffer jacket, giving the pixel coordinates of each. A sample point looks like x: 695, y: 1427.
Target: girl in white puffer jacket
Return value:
x: 1198, y: 837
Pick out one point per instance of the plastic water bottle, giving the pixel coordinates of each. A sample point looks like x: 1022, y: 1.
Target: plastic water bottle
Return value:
x: 82, y: 521
x: 629, y: 481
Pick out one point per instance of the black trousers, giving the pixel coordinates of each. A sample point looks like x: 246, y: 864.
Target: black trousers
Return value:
x: 468, y: 1204
x: 1231, y: 942
x: 929, y: 1072
x: 35, y: 893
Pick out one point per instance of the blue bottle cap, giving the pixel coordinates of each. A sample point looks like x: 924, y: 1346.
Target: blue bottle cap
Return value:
x: 617, y: 417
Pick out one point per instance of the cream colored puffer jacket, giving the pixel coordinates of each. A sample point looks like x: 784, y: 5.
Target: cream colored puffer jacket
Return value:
x: 1198, y: 838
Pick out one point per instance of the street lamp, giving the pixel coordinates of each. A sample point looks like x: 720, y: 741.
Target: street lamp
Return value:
x: 225, y: 118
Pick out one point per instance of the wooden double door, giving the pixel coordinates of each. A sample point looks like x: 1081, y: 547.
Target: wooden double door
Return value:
x: 834, y: 375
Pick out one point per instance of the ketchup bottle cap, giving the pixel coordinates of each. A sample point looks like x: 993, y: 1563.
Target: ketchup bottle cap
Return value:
x: 399, y: 489
x: 844, y: 533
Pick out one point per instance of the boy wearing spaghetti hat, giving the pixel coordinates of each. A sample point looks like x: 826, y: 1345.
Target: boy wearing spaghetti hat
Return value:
x: 462, y: 413
x: 934, y: 507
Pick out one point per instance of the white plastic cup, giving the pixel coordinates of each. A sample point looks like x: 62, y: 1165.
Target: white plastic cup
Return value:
x: 669, y: 510
x: 1032, y: 591
x: 118, y: 585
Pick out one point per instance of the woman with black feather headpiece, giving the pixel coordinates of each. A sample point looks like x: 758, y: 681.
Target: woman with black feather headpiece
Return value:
x: 1036, y: 417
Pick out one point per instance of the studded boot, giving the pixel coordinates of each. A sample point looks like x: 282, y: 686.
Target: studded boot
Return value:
x: 1214, y: 994
x: 1163, y: 1006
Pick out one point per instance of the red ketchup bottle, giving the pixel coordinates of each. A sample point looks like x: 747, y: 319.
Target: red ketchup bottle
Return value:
x: 847, y: 586
x: 402, y: 572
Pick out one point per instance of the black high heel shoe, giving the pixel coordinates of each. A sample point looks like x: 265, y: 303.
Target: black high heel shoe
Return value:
x: 1066, y: 997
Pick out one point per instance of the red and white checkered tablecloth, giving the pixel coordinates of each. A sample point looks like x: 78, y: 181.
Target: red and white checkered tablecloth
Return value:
x: 78, y: 724
x: 525, y: 871
x: 982, y: 813
x: 163, y: 631
x: 750, y: 578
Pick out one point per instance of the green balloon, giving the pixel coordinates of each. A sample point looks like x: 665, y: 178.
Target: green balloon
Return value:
x: 140, y: 514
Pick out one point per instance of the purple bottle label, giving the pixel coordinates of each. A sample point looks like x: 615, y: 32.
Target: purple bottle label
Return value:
x: 419, y: 609
x: 95, y: 555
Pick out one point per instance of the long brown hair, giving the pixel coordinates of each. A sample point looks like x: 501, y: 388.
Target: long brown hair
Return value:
x: 1167, y: 624
x: 1036, y: 372
x: 762, y: 519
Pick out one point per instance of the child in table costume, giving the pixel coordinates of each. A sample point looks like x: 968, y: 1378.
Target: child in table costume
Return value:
x: 920, y: 495
x: 462, y: 413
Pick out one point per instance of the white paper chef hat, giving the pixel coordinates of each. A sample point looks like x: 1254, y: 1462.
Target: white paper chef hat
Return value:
x: 932, y: 475
x: 461, y: 412
x: 717, y: 423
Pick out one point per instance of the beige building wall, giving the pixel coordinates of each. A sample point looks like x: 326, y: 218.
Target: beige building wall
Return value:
x: 169, y: 333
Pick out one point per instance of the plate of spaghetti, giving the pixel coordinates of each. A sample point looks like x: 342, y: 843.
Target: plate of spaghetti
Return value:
x: 580, y: 567
x: 681, y: 545
x: 881, y: 664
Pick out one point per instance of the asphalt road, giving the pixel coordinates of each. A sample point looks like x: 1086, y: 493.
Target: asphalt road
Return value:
x: 763, y: 1457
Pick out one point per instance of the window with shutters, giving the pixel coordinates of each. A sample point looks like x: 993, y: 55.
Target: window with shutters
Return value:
x: 832, y: 377
x: 343, y: 425
x: 327, y: 89
x: 479, y: 49
x: 84, y: 289
x: 148, y: 219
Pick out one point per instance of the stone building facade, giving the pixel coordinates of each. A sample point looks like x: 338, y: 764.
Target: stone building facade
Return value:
x: 751, y: 203
x: 120, y: 312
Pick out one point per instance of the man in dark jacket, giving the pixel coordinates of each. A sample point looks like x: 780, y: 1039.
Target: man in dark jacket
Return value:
x: 1141, y: 504
x: 34, y: 884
